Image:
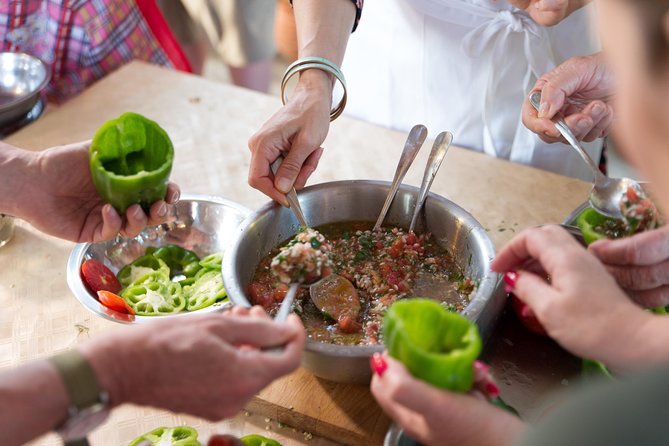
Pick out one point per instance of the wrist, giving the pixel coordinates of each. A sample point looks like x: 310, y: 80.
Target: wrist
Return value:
x: 109, y: 361
x: 316, y: 81
x: 15, y: 169
x: 640, y: 345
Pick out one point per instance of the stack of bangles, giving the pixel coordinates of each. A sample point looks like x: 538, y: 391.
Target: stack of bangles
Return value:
x: 307, y: 63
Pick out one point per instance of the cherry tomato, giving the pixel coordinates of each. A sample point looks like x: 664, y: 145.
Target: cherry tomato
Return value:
x: 224, y: 440
x: 114, y: 302
x: 527, y: 316
x: 98, y: 277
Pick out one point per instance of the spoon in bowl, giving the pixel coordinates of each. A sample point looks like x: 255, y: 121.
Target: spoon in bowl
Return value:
x: 607, y: 193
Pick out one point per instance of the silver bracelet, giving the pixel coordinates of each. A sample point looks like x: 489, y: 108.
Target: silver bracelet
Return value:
x: 319, y: 63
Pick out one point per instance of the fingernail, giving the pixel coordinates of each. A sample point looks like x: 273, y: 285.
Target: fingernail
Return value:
x: 582, y: 124
x: 378, y: 364
x: 283, y: 184
x: 481, y: 367
x: 543, y: 110
x: 597, y: 111
x: 510, y: 279
x: 176, y: 197
x: 492, y: 390
x: 162, y: 210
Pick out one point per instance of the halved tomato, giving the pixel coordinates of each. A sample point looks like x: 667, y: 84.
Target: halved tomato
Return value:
x: 527, y: 316
x: 98, y: 277
x: 114, y: 302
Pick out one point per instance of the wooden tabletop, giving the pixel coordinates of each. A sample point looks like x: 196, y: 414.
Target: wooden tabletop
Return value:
x: 210, y: 124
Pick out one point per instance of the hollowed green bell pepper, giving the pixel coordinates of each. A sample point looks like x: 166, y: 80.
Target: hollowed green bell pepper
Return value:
x: 434, y: 344
x: 596, y: 226
x: 180, y: 260
x: 174, y: 436
x: 155, y: 298
x: 205, y: 291
x: 259, y: 440
x: 139, y: 270
x: 131, y: 160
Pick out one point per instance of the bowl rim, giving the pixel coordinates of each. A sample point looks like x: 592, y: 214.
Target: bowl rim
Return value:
x: 360, y: 351
x: 77, y: 287
x: 47, y: 77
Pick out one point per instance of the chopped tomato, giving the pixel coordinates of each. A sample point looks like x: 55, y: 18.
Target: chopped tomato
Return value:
x: 114, y: 302
x: 261, y: 295
x: 347, y: 324
x: 632, y: 196
x: 411, y: 239
x: 98, y: 277
x: 280, y: 292
x: 379, y: 245
x: 396, y: 248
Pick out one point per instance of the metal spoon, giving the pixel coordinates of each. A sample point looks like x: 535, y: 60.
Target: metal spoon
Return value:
x: 439, y: 149
x: 413, y: 144
x: 607, y: 193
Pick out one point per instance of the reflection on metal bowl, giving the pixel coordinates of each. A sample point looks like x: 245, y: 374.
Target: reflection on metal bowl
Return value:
x: 452, y: 227
x: 22, y: 77
x: 201, y: 223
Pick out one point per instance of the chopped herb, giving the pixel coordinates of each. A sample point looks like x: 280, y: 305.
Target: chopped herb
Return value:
x: 315, y: 243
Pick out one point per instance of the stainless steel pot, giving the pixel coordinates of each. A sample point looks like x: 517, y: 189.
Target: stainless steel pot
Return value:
x: 453, y: 228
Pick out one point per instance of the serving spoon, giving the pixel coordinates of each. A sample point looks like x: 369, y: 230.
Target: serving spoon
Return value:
x: 607, y: 193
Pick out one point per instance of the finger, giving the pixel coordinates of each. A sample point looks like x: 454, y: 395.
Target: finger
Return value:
x: 261, y: 177
x: 259, y: 312
x: 588, y: 122
x: 237, y: 311
x: 580, y: 124
x: 135, y: 221
x: 158, y: 212
x: 641, y: 277
x: 173, y: 193
x: 603, y: 128
x: 111, y: 224
x: 287, y: 359
x: 308, y: 168
x: 253, y: 331
x: 535, y: 292
x: 544, y: 128
x: 646, y: 248
x: 655, y: 298
x: 303, y: 146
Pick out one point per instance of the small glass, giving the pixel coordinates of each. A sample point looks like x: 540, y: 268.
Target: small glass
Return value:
x: 6, y: 229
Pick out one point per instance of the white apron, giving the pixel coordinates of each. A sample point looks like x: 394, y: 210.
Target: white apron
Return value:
x: 464, y: 66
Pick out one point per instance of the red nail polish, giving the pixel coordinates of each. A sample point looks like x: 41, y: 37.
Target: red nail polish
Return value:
x: 481, y: 367
x: 378, y: 364
x: 492, y: 390
x: 510, y: 279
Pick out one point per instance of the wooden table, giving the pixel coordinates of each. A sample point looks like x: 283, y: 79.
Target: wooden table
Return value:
x: 210, y: 124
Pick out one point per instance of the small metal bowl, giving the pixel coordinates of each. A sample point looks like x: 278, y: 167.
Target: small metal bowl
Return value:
x: 452, y: 227
x: 22, y: 77
x: 201, y: 223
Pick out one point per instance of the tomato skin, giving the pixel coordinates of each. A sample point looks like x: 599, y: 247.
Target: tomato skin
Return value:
x: 280, y: 292
x: 347, y: 324
x: 114, y: 302
x: 527, y: 316
x: 98, y: 277
x: 260, y: 294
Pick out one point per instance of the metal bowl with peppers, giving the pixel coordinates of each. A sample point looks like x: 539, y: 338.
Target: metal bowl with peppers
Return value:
x: 198, y: 226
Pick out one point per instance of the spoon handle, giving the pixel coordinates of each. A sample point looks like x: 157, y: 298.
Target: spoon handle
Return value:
x: 413, y: 144
x: 439, y: 149
x: 565, y: 131
x: 287, y: 304
x: 291, y: 196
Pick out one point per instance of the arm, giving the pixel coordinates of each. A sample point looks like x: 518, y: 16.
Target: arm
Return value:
x: 53, y: 190
x: 200, y: 367
x: 299, y: 128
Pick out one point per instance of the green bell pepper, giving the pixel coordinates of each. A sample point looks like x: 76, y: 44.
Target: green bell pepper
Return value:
x: 596, y: 226
x: 434, y: 344
x: 173, y: 436
x: 155, y: 298
x: 131, y: 160
x: 180, y: 260
x: 143, y: 269
x: 259, y: 440
x: 212, y: 261
x: 205, y: 291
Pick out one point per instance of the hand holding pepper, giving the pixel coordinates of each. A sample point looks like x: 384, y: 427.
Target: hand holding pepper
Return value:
x: 53, y: 190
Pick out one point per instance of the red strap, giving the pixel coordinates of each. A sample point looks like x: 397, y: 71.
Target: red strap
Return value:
x: 161, y: 30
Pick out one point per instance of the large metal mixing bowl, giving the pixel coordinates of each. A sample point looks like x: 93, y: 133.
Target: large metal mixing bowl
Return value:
x: 452, y: 227
x: 22, y: 77
x: 201, y: 223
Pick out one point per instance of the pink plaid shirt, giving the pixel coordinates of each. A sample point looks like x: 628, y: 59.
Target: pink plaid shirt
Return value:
x: 81, y: 40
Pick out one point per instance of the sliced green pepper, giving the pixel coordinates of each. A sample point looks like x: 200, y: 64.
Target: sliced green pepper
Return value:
x: 259, y: 440
x: 180, y: 260
x: 206, y: 290
x: 155, y: 298
x: 212, y: 261
x: 131, y: 160
x: 173, y: 436
x: 596, y: 226
x: 140, y: 269
x: 434, y: 344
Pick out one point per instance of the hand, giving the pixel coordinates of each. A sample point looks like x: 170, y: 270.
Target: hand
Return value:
x: 581, y: 307
x: 436, y: 417
x: 59, y: 198
x: 207, y: 366
x: 296, y: 131
x: 640, y: 265
x: 549, y: 12
x: 580, y: 89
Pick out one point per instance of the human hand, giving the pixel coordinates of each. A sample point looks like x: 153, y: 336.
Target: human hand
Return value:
x: 549, y: 12
x: 436, y: 417
x: 207, y: 366
x: 581, y: 306
x: 59, y: 198
x: 580, y: 89
x: 296, y: 131
x: 640, y: 265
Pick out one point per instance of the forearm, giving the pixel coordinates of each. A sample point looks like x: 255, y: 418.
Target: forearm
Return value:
x: 15, y: 168
x: 33, y: 401
x: 640, y: 343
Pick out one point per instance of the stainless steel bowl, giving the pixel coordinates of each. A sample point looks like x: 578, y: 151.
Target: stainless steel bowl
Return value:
x: 452, y: 227
x: 22, y: 77
x: 201, y: 223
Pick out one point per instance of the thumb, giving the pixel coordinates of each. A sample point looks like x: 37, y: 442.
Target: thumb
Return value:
x: 291, y: 166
